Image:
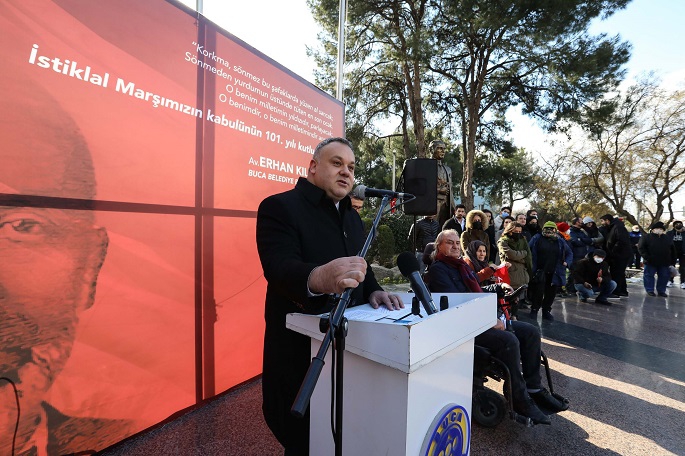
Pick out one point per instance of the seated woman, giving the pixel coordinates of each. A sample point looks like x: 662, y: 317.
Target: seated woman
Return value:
x: 519, y: 349
x: 476, y: 257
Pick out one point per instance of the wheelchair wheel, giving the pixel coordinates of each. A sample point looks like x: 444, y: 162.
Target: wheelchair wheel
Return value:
x: 488, y: 408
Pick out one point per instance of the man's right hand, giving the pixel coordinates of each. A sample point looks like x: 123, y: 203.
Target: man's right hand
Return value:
x: 337, y: 275
x: 587, y: 285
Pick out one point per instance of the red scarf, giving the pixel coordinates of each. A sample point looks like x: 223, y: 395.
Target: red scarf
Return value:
x: 465, y: 271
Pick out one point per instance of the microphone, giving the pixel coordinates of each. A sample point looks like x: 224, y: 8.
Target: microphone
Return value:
x: 369, y: 192
x: 409, y: 267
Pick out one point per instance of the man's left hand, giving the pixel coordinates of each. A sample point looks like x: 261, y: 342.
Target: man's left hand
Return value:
x: 391, y: 301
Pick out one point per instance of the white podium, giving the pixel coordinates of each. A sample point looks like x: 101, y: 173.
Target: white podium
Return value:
x: 401, y: 378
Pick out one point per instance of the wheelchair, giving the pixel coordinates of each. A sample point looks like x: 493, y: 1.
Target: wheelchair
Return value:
x: 488, y: 408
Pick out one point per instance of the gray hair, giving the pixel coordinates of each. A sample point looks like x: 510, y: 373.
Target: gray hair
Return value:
x: 439, y: 239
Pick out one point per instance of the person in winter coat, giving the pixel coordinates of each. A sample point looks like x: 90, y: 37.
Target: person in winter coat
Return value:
x: 677, y: 235
x: 551, y: 256
x: 635, y: 236
x: 564, y: 230
x: 531, y: 228
x: 476, y: 230
x: 513, y: 249
x: 593, y: 231
x: 581, y: 242
x: 619, y: 252
x: 657, y: 252
x: 492, y: 251
x: 518, y: 349
x: 590, y: 275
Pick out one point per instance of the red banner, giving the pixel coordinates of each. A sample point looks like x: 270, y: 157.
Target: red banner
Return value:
x: 138, y: 141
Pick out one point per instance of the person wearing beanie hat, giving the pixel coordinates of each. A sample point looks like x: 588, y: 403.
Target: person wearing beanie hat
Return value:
x: 591, y: 274
x: 581, y: 242
x: 531, y: 228
x: 550, y: 225
x: 551, y: 256
x: 619, y: 251
x: 658, y: 253
x: 563, y: 227
x: 677, y: 235
x: 592, y: 230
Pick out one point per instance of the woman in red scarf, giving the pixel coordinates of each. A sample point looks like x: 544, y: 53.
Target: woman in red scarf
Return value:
x: 519, y: 348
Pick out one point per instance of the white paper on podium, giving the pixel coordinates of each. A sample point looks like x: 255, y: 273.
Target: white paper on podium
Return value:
x: 381, y: 315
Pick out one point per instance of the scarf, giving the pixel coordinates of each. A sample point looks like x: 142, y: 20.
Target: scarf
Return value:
x: 464, y: 270
x: 471, y: 254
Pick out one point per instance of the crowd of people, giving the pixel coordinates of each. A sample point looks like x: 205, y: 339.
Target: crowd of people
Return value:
x: 562, y: 258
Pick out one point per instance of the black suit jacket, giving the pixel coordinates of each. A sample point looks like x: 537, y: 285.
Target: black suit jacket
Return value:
x: 297, y: 231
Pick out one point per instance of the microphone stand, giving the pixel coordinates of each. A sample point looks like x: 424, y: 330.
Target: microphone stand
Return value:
x: 337, y: 329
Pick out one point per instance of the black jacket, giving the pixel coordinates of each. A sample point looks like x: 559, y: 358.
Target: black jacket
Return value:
x: 297, y: 231
x: 657, y: 250
x: 618, y: 245
x: 453, y: 224
x: 586, y: 270
x: 678, y: 238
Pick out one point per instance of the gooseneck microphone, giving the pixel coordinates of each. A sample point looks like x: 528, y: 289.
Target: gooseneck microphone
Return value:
x: 368, y: 192
x: 409, y: 267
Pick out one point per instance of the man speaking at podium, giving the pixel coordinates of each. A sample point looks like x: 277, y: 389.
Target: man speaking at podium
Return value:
x: 308, y: 239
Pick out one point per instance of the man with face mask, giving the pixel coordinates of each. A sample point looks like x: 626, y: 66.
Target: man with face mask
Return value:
x: 499, y: 220
x: 591, y: 274
x: 551, y: 255
x: 658, y: 253
x: 676, y: 235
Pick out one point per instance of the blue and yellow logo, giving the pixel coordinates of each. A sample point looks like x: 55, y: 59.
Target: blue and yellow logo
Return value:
x: 450, y: 433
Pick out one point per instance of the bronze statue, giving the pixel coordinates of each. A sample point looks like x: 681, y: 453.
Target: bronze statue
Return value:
x: 445, y: 204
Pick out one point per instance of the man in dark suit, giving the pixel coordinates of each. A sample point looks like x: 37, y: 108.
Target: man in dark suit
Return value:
x: 308, y: 239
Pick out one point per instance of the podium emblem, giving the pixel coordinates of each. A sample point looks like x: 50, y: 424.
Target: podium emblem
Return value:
x: 449, y: 434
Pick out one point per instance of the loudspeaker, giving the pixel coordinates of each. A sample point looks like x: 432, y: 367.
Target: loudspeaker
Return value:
x: 420, y: 178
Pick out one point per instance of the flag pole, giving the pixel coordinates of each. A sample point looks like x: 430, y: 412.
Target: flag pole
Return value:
x: 341, y: 48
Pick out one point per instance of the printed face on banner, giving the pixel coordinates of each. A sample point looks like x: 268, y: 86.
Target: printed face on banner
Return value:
x: 50, y: 257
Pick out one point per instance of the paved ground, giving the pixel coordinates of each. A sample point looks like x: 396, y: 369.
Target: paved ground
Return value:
x: 622, y: 367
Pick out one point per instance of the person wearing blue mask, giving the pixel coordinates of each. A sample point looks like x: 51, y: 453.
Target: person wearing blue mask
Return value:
x: 504, y: 213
